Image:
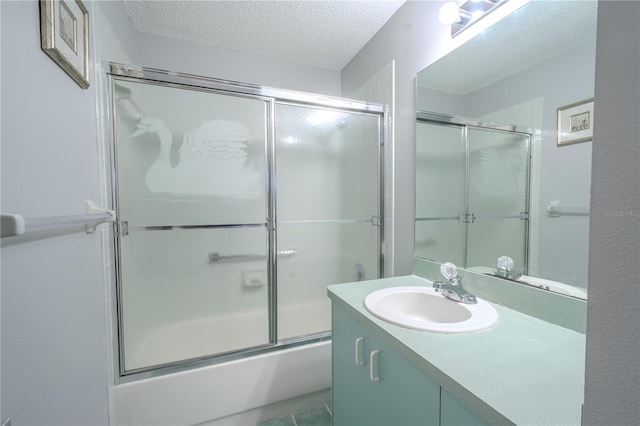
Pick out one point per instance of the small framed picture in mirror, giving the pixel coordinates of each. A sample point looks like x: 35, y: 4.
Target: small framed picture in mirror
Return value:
x: 575, y: 123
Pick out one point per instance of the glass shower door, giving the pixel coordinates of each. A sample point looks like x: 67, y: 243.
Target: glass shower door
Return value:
x: 328, y: 180
x: 193, y: 242
x: 498, y: 197
x: 440, y: 192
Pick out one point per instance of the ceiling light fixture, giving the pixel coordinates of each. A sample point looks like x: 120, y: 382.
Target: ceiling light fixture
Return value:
x: 462, y: 14
x: 449, y: 13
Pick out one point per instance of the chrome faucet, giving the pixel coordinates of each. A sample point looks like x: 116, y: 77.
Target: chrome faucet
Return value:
x: 505, y: 263
x: 452, y: 288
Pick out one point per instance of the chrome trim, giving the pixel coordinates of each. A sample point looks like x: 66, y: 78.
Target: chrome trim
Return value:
x: 421, y: 219
x: 326, y: 221
x: 527, y: 205
x: 304, y: 339
x: 383, y: 124
x: 117, y: 314
x: 467, y: 192
x: 519, y: 217
x: 475, y: 217
x: 272, y: 218
x: 463, y: 121
x: 183, y: 227
x: 183, y: 79
x: 233, y: 258
x: 209, y: 360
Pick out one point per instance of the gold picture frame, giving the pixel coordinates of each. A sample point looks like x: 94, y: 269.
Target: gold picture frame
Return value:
x: 575, y: 123
x: 64, y: 36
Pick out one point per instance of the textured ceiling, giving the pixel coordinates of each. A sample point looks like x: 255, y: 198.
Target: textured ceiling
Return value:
x: 321, y: 33
x: 538, y: 31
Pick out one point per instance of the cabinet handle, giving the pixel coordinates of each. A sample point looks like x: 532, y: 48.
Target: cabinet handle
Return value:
x: 373, y: 376
x: 359, y: 360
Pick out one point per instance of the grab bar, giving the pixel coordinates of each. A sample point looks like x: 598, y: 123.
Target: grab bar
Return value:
x: 12, y: 225
x: 233, y: 258
x: 553, y: 210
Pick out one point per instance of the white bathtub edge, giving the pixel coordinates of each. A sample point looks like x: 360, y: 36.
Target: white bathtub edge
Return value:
x: 209, y: 393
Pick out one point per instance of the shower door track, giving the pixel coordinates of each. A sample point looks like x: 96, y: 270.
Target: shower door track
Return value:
x: 272, y: 97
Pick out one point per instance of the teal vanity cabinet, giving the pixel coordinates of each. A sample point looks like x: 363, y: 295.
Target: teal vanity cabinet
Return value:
x: 384, y: 374
x: 373, y: 384
x: 454, y: 413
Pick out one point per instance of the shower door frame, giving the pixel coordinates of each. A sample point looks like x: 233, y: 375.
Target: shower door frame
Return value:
x: 465, y: 124
x: 271, y: 96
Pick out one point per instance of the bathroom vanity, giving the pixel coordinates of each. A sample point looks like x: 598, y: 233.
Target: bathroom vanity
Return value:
x: 521, y: 371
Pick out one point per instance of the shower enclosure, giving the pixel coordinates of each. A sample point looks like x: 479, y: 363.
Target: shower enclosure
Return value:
x: 237, y: 205
x: 472, y: 197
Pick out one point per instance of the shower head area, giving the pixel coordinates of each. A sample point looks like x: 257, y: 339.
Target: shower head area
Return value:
x: 238, y: 205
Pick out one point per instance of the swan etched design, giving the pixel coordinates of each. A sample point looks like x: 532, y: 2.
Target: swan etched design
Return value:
x: 213, y: 160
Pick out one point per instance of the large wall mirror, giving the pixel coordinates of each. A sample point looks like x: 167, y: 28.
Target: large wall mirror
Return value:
x: 494, y: 174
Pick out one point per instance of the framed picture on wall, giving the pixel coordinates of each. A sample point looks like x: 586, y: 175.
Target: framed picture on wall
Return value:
x: 64, y: 36
x: 575, y: 123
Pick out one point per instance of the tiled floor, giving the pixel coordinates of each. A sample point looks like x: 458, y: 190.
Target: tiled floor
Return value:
x: 319, y: 416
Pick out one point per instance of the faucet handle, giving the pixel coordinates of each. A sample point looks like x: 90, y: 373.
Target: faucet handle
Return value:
x: 505, y: 262
x: 449, y: 271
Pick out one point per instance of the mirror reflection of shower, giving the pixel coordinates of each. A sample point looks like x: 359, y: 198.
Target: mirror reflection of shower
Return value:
x: 525, y: 69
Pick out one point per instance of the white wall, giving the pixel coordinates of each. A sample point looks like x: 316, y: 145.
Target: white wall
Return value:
x: 53, y: 342
x: 414, y: 38
x: 116, y: 39
x: 613, y: 315
x: 194, y: 58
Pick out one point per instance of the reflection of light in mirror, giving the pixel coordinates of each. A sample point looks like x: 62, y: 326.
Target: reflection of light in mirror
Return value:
x: 476, y: 15
x: 290, y: 140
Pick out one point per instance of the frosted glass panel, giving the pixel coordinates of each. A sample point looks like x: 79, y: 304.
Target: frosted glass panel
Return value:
x: 440, y: 240
x: 327, y: 253
x: 327, y: 163
x: 490, y: 239
x: 440, y: 163
x: 189, y: 157
x: 178, y: 304
x: 497, y: 173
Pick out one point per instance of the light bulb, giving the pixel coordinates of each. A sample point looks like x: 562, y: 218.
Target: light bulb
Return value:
x: 449, y: 13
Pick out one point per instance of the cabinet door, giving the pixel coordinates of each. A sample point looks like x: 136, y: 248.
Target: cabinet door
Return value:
x: 351, y: 388
x: 453, y: 413
x: 403, y: 395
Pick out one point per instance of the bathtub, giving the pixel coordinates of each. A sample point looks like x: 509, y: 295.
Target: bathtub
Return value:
x: 239, y: 392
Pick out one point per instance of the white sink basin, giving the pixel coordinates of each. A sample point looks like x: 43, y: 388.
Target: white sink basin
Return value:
x: 422, y: 308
